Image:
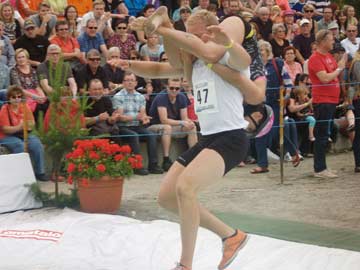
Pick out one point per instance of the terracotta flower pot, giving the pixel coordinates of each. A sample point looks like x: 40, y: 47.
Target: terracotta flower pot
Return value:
x: 102, y: 195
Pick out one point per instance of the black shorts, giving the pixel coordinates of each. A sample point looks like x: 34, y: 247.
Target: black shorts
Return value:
x: 231, y: 145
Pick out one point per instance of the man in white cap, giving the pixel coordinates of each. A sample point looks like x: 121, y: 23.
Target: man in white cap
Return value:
x: 303, y: 41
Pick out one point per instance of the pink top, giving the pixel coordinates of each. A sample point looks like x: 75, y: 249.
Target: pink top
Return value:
x: 283, y: 4
x: 293, y: 70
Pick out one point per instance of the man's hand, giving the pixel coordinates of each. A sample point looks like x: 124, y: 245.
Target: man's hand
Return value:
x: 218, y: 35
x: 188, y: 124
x: 46, y: 18
x: 103, y: 116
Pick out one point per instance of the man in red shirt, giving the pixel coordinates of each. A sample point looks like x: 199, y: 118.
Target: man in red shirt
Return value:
x: 324, y: 73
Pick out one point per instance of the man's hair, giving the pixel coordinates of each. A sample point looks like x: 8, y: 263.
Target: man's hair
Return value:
x: 90, y: 21
x: 173, y: 80
x: 203, y: 16
x: 92, y: 52
x: 44, y: 4
x: 129, y: 73
x: 92, y: 81
x: 113, y: 50
x: 53, y: 47
x: 321, y: 35
x: 59, y: 23
x: 98, y: 3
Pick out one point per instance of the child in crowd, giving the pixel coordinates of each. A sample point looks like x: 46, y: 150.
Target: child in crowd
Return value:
x: 302, y: 96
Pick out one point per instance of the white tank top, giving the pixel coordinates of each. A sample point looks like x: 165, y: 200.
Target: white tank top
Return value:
x: 218, y: 104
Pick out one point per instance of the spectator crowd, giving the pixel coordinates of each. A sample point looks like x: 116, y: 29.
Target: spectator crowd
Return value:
x: 309, y: 48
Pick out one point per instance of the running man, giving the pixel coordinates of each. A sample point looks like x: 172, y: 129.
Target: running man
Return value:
x: 224, y: 143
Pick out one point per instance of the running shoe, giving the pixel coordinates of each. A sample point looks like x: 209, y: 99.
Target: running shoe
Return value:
x: 231, y: 247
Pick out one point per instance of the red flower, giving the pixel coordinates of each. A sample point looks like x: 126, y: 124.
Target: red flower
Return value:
x: 101, y: 168
x: 68, y: 155
x: 94, y: 155
x: 119, y: 157
x: 70, y: 180
x: 71, y: 167
x: 126, y: 149
x: 78, y: 153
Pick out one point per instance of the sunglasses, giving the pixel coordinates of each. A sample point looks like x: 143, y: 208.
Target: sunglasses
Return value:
x: 93, y: 28
x: 94, y: 59
x: 121, y: 28
x: 16, y: 96
x: 351, y: 31
x: 172, y: 88
x: 308, y: 11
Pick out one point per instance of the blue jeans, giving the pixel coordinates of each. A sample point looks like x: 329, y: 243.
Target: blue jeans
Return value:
x: 2, y: 96
x: 133, y: 138
x: 290, y: 136
x: 356, y: 142
x: 36, y: 150
x: 324, y: 114
x: 261, y: 153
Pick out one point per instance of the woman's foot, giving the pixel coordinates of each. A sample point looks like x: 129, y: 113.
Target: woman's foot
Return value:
x: 312, y: 139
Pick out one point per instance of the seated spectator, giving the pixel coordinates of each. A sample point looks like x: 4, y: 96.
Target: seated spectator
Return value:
x: 152, y: 49
x: 146, y: 12
x: 12, y: 27
x: 4, y: 82
x: 46, y: 71
x: 203, y: 4
x: 302, y: 42
x: 275, y: 14
x: 69, y: 45
x: 100, y: 116
x: 326, y: 20
x: 351, y: 42
x: 185, y: 5
x: 309, y: 14
x: 8, y: 54
x: 92, y: 70
x: 133, y: 121
x: 122, y: 39
x: 298, y: 8
x: 188, y: 91
x: 264, y: 23
x: 302, y: 96
x: 13, y: 116
x: 291, y: 28
x: 25, y: 76
x: 293, y: 68
x: 114, y: 74
x: 185, y: 13
x: 90, y: 39
x: 102, y: 19
x: 44, y: 20
x: 36, y: 45
x: 71, y: 17
x: 121, y: 13
x: 349, y: 12
x: 279, y: 41
x: 334, y: 28
x: 169, y: 108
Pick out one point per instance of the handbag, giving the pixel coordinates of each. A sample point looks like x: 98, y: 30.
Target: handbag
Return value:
x: 103, y: 127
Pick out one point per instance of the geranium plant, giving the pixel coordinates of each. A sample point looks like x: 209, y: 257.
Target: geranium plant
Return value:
x: 92, y: 159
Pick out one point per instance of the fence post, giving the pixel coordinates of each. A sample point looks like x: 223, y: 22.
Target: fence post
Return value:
x: 281, y: 133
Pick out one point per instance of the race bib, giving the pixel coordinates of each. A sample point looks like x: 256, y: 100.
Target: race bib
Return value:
x: 205, y: 97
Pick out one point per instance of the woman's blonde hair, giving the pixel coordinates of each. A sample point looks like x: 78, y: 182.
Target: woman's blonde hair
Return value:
x: 4, y: 5
x: 21, y: 50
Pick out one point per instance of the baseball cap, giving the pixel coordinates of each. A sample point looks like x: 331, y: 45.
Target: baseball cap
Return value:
x: 333, y: 25
x: 304, y: 21
x: 29, y: 23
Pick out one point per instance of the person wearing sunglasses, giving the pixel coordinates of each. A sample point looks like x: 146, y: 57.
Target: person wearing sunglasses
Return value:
x: 13, y: 116
x: 122, y: 39
x: 92, y: 70
x: 44, y: 20
x: 92, y: 39
x: 351, y: 42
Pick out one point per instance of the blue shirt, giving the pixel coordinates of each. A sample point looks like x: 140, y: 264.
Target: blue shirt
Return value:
x: 87, y: 43
x: 135, y: 6
x: 130, y: 103
x: 173, y: 110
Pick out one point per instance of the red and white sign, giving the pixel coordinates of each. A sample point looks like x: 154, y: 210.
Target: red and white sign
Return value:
x: 32, y: 234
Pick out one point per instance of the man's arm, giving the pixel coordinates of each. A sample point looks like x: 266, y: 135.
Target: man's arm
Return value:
x: 164, y: 118
x: 44, y: 83
x: 73, y: 86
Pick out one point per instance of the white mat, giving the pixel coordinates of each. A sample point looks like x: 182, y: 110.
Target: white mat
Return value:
x: 68, y: 240
x: 15, y: 171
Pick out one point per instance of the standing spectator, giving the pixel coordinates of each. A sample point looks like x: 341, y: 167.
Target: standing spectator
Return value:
x: 36, y: 45
x: 71, y: 17
x: 152, y: 49
x: 69, y: 45
x: 351, y: 42
x: 44, y: 20
x: 130, y: 106
x: 46, y: 71
x: 326, y: 20
x: 92, y: 70
x: 122, y: 39
x: 8, y: 54
x: 12, y: 118
x: 323, y: 73
x: 264, y: 23
x: 303, y: 41
x: 292, y: 67
x: 102, y: 19
x: 25, y: 76
x: 135, y: 6
x: 12, y: 27
x: 91, y: 39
